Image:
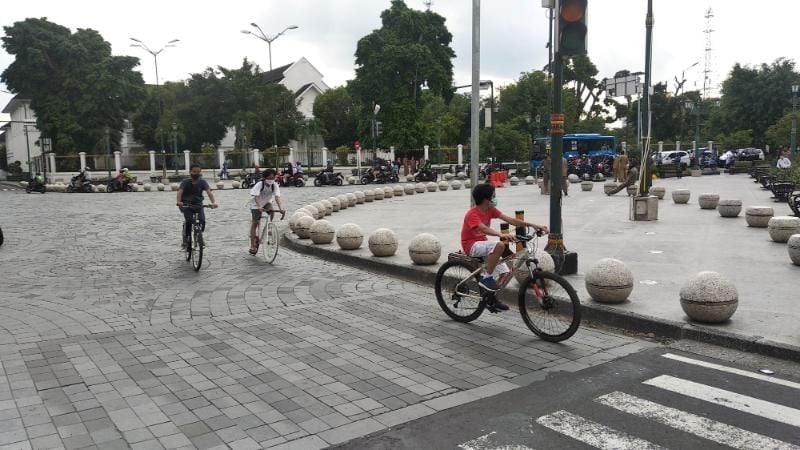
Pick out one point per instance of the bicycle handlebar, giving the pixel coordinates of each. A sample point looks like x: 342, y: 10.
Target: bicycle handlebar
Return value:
x: 283, y: 212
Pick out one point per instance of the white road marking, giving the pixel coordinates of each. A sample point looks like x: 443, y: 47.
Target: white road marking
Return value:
x: 712, y: 430
x: 744, y: 373
x: 485, y: 442
x: 593, y: 433
x: 739, y: 402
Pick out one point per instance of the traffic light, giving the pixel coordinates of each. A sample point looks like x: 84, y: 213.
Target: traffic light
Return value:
x: 378, y: 128
x: 572, y: 27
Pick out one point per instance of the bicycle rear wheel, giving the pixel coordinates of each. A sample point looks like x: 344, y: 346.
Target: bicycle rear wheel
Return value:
x: 550, y: 307
x: 197, y: 250
x: 269, y: 242
x: 458, y: 293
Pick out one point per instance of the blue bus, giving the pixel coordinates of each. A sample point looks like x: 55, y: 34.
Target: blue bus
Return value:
x: 575, y: 146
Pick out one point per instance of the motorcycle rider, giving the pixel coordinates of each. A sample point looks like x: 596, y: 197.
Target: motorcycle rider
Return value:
x: 85, y: 176
x: 38, y: 180
x: 327, y: 172
x: 123, y: 179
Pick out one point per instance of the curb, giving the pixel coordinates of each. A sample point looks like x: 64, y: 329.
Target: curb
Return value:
x: 592, y: 312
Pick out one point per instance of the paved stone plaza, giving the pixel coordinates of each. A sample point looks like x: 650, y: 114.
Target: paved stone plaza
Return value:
x: 109, y: 339
x: 662, y: 255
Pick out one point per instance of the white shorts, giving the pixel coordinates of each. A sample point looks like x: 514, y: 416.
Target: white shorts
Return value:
x: 482, y: 249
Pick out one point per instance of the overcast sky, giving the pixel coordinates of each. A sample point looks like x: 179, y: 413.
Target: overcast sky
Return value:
x: 513, y: 36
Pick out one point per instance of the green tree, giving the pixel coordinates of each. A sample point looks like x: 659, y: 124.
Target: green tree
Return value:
x: 75, y: 85
x: 410, y: 51
x: 510, y: 144
x: 338, y: 113
x: 779, y: 133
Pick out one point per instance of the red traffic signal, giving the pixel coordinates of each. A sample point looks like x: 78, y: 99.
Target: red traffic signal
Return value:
x: 572, y: 27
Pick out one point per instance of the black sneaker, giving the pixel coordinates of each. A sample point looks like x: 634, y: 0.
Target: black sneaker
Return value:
x: 494, y: 305
x: 488, y: 283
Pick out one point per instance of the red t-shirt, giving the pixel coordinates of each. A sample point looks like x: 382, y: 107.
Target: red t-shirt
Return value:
x: 470, y: 234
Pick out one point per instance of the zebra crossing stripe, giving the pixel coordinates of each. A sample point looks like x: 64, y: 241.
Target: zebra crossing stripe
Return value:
x: 593, y: 433
x: 485, y: 442
x: 712, y: 430
x: 728, y: 399
x: 744, y: 373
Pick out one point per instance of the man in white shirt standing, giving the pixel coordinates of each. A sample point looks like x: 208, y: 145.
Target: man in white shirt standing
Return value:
x: 784, y: 163
x: 261, y: 197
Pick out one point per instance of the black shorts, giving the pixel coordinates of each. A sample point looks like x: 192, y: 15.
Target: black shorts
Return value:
x: 257, y: 212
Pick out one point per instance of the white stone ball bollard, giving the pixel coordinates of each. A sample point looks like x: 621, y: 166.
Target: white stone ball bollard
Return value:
x: 409, y: 178
x: 220, y: 185
x: 321, y: 208
x: 758, y: 216
x: 513, y: 181
x: 335, y: 203
x: 379, y: 193
x: 136, y: 187
x: 658, y: 191
x: 235, y: 184
x: 351, y: 180
x: 344, y: 203
x: 709, y: 297
x: 586, y: 186
x: 388, y: 192
x: 444, y: 185
x: 530, y: 180
x: 382, y: 242
x: 322, y: 232
x: 793, y: 245
x: 425, y: 249
x: 729, y: 208
x: 708, y: 201
x: 147, y: 187
x: 609, y: 281
x: 409, y: 189
x: 574, y: 178
x: 160, y: 186
x: 420, y: 188
x: 546, y: 263
x: 303, y: 227
x: 352, y: 201
x: 103, y: 188
x: 174, y: 186
x: 461, y: 175
x: 360, y: 197
x: 448, y: 176
x: 609, y: 186
x: 349, y: 236
x: 432, y: 187
x: 399, y: 191
x: 781, y: 228
x: 467, y: 183
x: 328, y: 207
x: 369, y: 196
x: 295, y: 217
x: 455, y: 184
x: 315, y: 212
x: 681, y: 196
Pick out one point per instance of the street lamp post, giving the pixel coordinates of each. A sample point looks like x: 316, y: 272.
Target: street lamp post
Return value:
x: 106, y: 132
x: 138, y: 43
x: 793, y: 138
x: 483, y: 85
x: 175, y: 146
x: 268, y: 39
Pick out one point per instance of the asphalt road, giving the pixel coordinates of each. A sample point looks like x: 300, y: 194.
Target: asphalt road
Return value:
x: 658, y: 398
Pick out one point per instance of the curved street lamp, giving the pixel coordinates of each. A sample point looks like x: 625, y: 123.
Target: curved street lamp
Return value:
x: 268, y: 39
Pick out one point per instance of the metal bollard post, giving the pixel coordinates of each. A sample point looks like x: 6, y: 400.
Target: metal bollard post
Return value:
x: 520, y: 231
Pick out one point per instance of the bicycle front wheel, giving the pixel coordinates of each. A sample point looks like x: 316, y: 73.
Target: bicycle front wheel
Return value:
x: 197, y: 250
x: 458, y: 293
x: 550, y: 307
x: 269, y: 242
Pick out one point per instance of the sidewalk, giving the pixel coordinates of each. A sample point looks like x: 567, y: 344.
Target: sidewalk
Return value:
x: 663, y: 255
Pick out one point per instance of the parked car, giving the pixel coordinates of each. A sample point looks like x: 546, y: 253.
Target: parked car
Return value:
x: 749, y: 154
x: 668, y: 157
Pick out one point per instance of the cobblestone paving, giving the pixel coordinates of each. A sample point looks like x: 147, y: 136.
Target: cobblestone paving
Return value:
x: 108, y: 338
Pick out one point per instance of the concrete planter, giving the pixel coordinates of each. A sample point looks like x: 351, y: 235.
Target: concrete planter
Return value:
x: 758, y: 216
x: 382, y: 242
x: 658, y: 191
x: 608, y: 186
x: 708, y: 201
x: 425, y: 249
x: 609, y: 281
x: 729, y: 208
x: 586, y: 186
x: 349, y: 236
x: 530, y: 180
x: 322, y: 232
x: 793, y: 245
x: 681, y: 196
x: 781, y: 228
x: 709, y: 297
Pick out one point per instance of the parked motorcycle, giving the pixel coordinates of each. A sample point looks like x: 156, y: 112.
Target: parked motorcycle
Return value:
x: 383, y: 176
x: 329, y: 179
x: 119, y: 187
x: 426, y: 175
x: 250, y: 180
x: 75, y: 185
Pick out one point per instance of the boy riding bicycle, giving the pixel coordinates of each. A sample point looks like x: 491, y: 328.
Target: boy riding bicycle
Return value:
x: 261, y: 196
x: 190, y: 197
x: 474, y: 233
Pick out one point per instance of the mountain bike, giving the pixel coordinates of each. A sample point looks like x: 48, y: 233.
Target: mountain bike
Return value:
x: 548, y: 304
x: 268, y: 236
x: 194, y: 249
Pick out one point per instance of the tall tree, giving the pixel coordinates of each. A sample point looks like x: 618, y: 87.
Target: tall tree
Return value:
x: 75, y: 85
x: 409, y: 51
x: 338, y: 113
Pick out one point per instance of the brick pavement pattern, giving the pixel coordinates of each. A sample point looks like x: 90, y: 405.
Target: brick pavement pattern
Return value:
x: 108, y: 338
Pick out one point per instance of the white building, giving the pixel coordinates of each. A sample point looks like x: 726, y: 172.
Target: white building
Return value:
x: 21, y: 134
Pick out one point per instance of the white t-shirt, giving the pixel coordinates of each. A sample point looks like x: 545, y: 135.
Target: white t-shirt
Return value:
x: 264, y: 195
x: 784, y: 163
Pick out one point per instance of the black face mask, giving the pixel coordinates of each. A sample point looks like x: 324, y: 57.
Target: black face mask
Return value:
x: 195, y: 176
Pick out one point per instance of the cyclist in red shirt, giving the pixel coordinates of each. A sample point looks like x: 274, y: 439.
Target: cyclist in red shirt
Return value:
x: 475, y: 230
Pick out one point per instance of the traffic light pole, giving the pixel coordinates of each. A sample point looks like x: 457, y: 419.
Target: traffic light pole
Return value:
x: 645, y: 176
x: 555, y: 242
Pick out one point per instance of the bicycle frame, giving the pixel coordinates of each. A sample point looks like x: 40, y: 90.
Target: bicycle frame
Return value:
x: 521, y: 257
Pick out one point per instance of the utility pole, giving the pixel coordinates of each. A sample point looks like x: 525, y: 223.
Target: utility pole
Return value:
x: 108, y: 151
x: 474, y: 141
x: 793, y: 137
x: 644, y: 176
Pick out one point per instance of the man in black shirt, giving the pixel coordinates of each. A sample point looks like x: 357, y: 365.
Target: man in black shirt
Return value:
x: 190, y: 197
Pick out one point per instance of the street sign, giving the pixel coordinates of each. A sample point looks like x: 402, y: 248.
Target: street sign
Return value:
x: 623, y: 86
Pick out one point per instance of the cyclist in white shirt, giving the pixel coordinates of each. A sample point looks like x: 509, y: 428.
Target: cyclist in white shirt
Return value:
x: 261, y: 197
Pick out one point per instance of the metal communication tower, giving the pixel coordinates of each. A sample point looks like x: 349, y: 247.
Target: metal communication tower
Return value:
x: 428, y: 4
x: 707, y: 86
